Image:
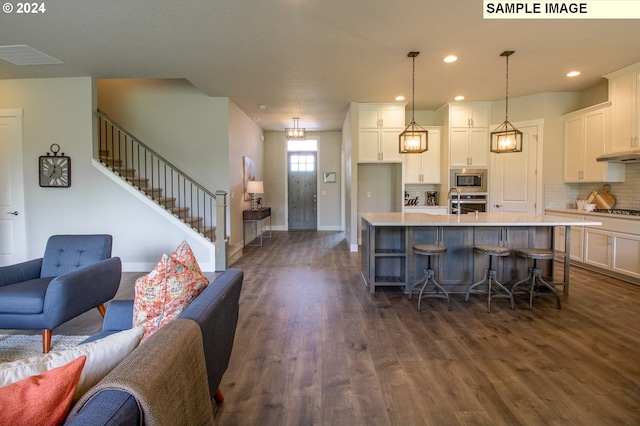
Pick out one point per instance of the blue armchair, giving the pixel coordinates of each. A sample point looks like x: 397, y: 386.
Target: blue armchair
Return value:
x: 76, y: 274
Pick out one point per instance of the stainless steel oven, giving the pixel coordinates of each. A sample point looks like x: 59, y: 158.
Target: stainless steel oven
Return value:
x: 469, y: 180
x: 468, y: 203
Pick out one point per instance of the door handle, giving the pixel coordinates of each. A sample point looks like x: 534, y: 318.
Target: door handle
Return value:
x: 497, y: 205
x: 15, y: 212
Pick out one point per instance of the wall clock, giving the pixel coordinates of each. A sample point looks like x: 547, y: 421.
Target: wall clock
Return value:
x: 55, y: 170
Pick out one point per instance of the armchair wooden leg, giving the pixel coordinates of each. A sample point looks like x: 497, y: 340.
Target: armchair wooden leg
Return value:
x: 218, y: 396
x: 102, y: 310
x: 46, y: 340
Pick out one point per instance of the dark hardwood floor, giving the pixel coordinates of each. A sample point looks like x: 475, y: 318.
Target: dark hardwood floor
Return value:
x: 313, y: 346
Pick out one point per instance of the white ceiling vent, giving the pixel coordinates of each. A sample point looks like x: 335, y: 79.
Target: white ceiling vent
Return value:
x: 25, y: 55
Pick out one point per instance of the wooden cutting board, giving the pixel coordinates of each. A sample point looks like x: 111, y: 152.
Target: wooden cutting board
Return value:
x: 604, y: 200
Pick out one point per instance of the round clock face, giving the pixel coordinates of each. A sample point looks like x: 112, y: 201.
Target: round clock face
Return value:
x: 55, y: 171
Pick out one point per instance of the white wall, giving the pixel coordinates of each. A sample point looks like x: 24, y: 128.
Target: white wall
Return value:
x: 62, y: 111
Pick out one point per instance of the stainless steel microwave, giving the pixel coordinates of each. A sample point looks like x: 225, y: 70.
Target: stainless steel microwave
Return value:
x: 469, y: 180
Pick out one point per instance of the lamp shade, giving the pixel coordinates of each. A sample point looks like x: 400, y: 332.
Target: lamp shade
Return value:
x: 255, y: 187
x: 506, y: 138
x: 414, y: 139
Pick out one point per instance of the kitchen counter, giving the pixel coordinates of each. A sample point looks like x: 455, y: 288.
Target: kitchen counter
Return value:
x: 483, y: 219
x: 593, y: 214
x: 388, y: 240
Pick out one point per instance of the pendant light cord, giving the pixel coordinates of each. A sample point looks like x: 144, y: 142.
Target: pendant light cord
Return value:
x: 506, y: 99
x: 413, y: 91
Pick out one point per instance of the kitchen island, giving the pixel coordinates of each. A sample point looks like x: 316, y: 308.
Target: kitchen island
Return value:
x: 388, y: 239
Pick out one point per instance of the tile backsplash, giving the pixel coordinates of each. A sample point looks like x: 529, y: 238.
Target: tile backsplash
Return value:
x: 419, y: 190
x: 627, y: 193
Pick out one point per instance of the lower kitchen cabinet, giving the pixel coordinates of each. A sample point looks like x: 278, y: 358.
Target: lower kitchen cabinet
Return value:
x: 577, y: 242
x: 611, y: 248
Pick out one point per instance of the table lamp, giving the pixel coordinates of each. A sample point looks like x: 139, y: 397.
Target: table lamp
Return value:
x: 255, y: 187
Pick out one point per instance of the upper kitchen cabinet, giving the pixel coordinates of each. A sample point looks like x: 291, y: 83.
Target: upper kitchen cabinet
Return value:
x: 424, y: 167
x: 586, y: 137
x: 625, y: 109
x: 380, y: 125
x: 467, y: 133
x: 469, y: 115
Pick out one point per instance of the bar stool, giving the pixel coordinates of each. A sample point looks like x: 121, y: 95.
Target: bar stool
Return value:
x: 535, y: 274
x: 429, y: 276
x: 490, y: 277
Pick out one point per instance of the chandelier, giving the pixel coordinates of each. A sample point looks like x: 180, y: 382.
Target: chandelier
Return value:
x: 505, y: 137
x: 294, y: 132
x: 414, y: 139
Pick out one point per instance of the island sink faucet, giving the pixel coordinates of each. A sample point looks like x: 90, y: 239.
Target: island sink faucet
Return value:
x: 454, y: 189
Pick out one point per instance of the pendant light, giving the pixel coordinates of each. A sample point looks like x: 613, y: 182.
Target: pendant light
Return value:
x: 505, y: 137
x: 414, y: 139
x: 294, y: 132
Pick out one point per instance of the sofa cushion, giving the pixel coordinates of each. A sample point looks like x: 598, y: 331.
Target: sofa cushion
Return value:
x: 162, y: 295
x: 24, y: 298
x: 102, y: 356
x: 42, y: 399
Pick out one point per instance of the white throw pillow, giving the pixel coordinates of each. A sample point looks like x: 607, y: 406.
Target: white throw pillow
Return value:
x: 102, y: 356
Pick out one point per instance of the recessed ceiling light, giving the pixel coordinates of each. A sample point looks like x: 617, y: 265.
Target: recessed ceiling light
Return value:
x: 262, y: 107
x: 25, y: 55
x: 459, y: 98
x: 400, y: 98
x: 573, y: 74
x: 451, y: 58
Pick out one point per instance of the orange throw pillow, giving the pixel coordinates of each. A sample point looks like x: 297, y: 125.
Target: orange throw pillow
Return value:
x: 44, y: 399
x: 161, y: 296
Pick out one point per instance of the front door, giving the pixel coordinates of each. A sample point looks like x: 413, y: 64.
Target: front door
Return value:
x: 13, y: 244
x: 302, y: 196
x: 515, y: 183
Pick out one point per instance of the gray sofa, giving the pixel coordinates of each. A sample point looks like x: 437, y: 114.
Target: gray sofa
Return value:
x: 173, y: 376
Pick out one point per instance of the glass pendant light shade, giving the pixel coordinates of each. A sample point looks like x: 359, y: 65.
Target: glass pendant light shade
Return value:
x: 294, y: 132
x: 414, y: 139
x: 506, y: 138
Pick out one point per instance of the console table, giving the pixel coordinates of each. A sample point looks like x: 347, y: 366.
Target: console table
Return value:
x: 256, y: 216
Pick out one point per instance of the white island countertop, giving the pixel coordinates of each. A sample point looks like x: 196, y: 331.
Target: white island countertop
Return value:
x: 482, y: 219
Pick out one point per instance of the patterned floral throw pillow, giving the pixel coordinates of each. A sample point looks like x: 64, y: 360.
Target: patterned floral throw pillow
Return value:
x: 162, y: 295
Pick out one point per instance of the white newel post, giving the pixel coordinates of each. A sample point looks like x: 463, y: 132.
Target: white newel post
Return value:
x: 221, y: 231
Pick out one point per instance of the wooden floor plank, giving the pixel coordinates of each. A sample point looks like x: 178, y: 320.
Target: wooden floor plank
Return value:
x: 313, y: 346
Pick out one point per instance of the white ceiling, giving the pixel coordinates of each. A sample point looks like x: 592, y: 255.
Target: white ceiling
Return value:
x: 311, y: 58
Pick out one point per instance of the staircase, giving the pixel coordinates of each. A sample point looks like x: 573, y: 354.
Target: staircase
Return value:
x: 163, y: 182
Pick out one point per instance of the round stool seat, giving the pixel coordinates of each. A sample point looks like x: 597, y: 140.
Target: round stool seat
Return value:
x: 493, y: 250
x: 428, y: 249
x: 534, y: 253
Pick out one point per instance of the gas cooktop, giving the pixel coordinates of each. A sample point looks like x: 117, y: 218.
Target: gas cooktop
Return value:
x: 619, y: 211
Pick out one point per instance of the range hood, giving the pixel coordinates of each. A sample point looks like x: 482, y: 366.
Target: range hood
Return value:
x: 623, y: 157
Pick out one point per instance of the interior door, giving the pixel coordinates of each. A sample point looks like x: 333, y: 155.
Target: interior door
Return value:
x: 514, y: 182
x: 302, y: 190
x: 13, y: 246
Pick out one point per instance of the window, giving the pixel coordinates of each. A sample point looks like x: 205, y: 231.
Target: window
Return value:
x: 302, y: 163
x: 305, y: 145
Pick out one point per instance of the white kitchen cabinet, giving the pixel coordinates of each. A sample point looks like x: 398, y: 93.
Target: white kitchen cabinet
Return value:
x: 577, y: 242
x: 619, y: 252
x: 469, y: 115
x: 466, y: 133
x: 424, y: 167
x: 468, y: 147
x: 379, y: 128
x: 585, y: 138
x: 612, y: 247
x: 624, y: 94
